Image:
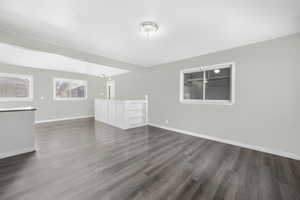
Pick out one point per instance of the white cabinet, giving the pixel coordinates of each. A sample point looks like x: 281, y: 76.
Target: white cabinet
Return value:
x: 123, y: 114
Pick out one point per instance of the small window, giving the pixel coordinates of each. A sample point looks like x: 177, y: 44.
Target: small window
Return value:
x: 16, y: 87
x: 210, y: 84
x: 69, y: 89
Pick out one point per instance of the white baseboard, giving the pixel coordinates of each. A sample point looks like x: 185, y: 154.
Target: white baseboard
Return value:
x: 63, y: 119
x: 121, y: 127
x: 136, y: 126
x: 17, y: 152
x: 235, y: 143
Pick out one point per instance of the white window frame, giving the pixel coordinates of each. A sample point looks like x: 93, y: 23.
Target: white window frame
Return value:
x: 22, y: 76
x: 204, y: 101
x: 83, y: 82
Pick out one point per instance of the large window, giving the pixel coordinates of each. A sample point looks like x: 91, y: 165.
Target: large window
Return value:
x: 69, y: 89
x: 16, y: 87
x: 209, y: 84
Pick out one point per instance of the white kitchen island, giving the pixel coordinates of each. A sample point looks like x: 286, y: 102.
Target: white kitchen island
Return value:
x: 16, y: 131
x: 123, y: 114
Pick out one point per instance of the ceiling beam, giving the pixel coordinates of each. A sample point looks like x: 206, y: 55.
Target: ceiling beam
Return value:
x: 44, y: 46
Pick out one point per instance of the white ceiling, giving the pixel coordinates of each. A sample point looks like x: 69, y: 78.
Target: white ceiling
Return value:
x: 187, y: 28
x: 36, y: 59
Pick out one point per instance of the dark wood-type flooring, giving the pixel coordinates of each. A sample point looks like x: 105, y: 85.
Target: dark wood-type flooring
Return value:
x: 84, y: 159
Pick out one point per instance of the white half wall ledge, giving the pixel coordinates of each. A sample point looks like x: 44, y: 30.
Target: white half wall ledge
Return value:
x: 231, y: 142
x: 17, y: 152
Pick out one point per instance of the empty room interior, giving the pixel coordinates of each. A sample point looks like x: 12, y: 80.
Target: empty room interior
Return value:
x: 150, y: 100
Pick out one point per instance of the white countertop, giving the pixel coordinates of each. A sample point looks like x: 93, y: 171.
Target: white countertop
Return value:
x: 17, y: 109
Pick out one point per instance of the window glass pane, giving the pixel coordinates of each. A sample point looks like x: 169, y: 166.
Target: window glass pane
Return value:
x: 14, y: 87
x: 193, y: 85
x: 218, y: 84
x: 70, y: 89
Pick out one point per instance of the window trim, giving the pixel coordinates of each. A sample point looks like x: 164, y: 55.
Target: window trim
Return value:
x: 18, y: 99
x: 205, y: 68
x: 84, y: 82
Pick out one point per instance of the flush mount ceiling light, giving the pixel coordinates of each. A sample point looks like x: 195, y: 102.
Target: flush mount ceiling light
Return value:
x: 217, y: 71
x: 148, y: 28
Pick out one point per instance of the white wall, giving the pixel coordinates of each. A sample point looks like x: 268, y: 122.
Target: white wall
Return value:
x: 266, y: 112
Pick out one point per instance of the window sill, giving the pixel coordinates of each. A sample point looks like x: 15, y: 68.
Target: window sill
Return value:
x: 70, y: 99
x: 212, y: 102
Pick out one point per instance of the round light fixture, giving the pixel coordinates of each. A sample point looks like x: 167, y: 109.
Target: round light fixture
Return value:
x: 148, y: 28
x: 217, y: 71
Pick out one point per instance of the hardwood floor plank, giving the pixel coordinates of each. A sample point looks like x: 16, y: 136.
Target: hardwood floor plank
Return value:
x: 88, y: 160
